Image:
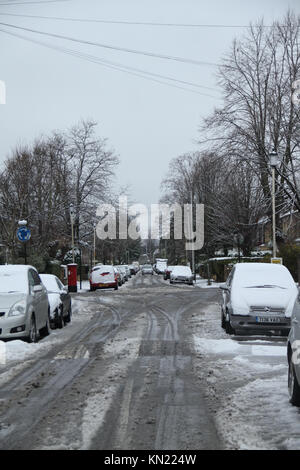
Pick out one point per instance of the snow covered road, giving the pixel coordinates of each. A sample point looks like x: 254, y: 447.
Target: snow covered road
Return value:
x: 146, y: 367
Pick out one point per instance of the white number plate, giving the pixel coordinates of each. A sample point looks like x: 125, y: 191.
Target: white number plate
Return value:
x: 268, y: 320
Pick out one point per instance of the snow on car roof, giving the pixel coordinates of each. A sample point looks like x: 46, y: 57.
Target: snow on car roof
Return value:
x: 13, y: 268
x: 261, y: 267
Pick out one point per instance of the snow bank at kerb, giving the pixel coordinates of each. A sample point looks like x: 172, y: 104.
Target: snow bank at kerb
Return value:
x: 18, y: 350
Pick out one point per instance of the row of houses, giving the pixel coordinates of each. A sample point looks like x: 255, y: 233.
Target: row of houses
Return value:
x: 287, y: 230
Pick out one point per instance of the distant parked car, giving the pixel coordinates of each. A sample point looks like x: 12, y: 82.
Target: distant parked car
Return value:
x: 136, y: 266
x: 59, y: 300
x: 119, y: 276
x: 181, y: 274
x: 147, y: 269
x: 103, y: 277
x: 124, y: 272
x: 132, y: 269
x: 127, y: 270
x: 24, y: 309
x: 167, y: 272
x: 160, y: 266
x: 258, y: 297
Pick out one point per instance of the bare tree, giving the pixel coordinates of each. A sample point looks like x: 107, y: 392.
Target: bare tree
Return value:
x: 92, y: 168
x: 258, y: 113
x: 39, y: 182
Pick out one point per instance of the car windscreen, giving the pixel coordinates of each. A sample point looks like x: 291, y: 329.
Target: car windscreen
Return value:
x: 266, y: 278
x: 147, y: 266
x: 13, y: 282
x: 181, y: 271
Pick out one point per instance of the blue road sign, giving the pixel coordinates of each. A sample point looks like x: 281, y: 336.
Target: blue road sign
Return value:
x: 23, y: 234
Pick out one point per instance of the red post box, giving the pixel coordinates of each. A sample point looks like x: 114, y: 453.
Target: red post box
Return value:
x: 72, y: 277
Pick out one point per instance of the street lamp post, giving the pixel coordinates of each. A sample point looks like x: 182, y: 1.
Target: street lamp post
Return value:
x: 72, y: 218
x: 274, y: 162
x: 238, y: 240
x: 192, y: 228
x: 94, y: 261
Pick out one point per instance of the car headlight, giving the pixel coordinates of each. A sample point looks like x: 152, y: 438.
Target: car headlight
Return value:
x: 240, y: 309
x: 18, y: 308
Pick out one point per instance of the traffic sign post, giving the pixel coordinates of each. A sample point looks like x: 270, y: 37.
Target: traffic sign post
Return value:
x: 23, y: 235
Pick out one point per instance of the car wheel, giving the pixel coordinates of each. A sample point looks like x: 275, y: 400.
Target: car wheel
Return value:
x: 60, y: 319
x: 47, y: 329
x: 293, y: 385
x: 228, y: 328
x: 116, y: 287
x: 32, y: 337
x: 69, y: 314
x: 92, y: 289
x: 222, y: 321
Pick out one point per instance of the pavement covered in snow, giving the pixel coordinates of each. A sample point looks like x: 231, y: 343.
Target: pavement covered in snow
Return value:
x: 203, y: 284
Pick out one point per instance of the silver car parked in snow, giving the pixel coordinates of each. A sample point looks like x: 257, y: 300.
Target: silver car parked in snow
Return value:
x: 258, y: 298
x: 293, y: 355
x: 24, y: 309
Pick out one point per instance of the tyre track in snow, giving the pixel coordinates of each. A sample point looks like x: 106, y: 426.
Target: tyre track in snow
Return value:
x: 160, y: 406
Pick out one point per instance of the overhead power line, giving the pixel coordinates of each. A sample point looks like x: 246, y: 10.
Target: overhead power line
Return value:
x: 109, y: 46
x: 125, y: 22
x: 117, y: 66
x: 32, y: 2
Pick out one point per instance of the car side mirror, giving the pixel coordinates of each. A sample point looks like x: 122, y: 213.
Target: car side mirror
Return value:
x: 224, y: 287
x: 37, y: 288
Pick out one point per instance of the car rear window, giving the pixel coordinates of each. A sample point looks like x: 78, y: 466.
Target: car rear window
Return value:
x: 13, y: 282
x: 105, y: 269
x: 50, y: 283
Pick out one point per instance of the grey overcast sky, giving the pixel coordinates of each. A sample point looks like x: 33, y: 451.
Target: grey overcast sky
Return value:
x: 146, y: 122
